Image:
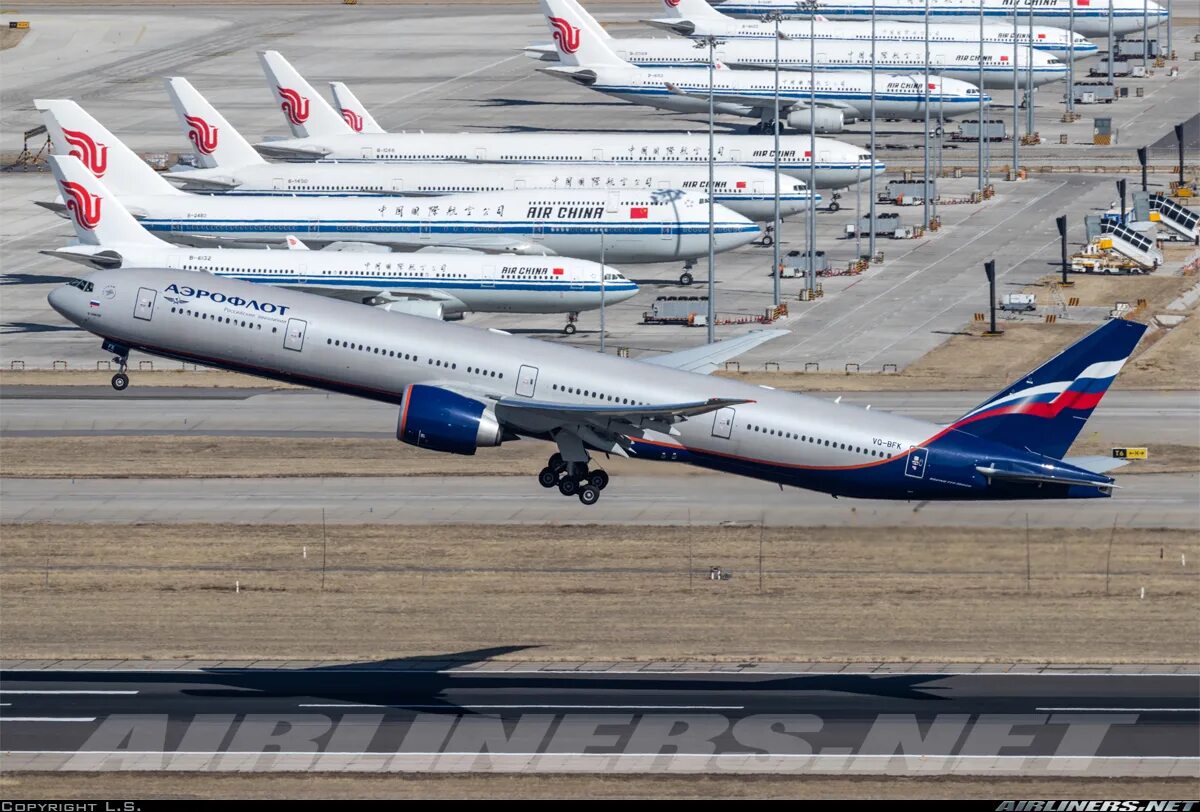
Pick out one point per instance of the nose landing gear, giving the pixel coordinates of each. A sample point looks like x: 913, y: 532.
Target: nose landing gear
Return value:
x: 686, y: 278
x: 573, y: 479
x: 569, y: 329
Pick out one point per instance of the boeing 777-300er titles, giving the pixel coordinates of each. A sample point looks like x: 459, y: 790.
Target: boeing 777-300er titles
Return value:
x: 1002, y: 65
x: 838, y: 164
x: 228, y: 164
x: 826, y: 101
x: 620, y: 226
x: 1088, y: 17
x: 458, y: 389
x: 437, y: 285
x: 696, y: 18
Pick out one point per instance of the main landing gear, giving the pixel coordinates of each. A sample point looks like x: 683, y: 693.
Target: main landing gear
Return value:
x: 573, y: 479
x: 120, y: 381
x: 569, y: 330
x: 686, y: 278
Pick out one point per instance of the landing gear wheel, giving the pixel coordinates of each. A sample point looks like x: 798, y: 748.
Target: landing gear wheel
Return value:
x: 569, y: 330
x: 120, y: 381
x: 598, y: 480
x: 589, y: 495
x: 834, y: 205
x: 547, y: 478
x: 568, y: 486
x: 685, y: 278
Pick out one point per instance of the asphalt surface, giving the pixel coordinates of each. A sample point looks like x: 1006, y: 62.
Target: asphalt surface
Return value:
x: 1128, y: 721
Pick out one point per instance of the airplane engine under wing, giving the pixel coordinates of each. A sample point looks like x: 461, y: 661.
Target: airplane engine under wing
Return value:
x: 441, y: 420
x: 825, y: 119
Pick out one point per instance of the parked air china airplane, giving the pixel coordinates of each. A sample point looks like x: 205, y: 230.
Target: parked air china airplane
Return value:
x: 621, y: 226
x: 838, y: 163
x: 839, y: 97
x: 696, y: 18
x: 230, y: 165
x: 1090, y: 16
x: 950, y: 59
x: 421, y: 283
x: 458, y: 389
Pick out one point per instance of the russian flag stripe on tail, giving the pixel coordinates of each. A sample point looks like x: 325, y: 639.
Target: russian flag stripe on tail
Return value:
x: 1045, y: 411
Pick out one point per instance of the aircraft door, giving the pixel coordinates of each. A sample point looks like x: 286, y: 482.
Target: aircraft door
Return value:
x: 144, y: 307
x: 527, y: 381
x: 613, y: 203
x: 368, y: 153
x: 597, y: 155
x: 398, y: 184
x: 278, y: 184
x: 293, y: 337
x: 723, y: 423
x: 735, y: 156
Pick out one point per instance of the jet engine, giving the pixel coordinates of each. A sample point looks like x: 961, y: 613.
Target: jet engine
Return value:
x: 826, y: 120
x: 441, y: 420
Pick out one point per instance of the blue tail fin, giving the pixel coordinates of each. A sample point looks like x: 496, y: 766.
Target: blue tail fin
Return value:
x: 1045, y: 411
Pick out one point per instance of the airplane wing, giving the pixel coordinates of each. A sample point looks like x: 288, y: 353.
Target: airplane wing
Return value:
x: 211, y: 183
x: 707, y: 358
x: 608, y: 428
x: 290, y: 152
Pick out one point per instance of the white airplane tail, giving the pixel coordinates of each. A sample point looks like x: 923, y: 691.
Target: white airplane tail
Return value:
x: 216, y: 142
x: 307, y: 113
x: 572, y: 29
x: 98, y: 216
x: 590, y: 22
x: 73, y: 132
x: 353, y: 112
x: 694, y: 10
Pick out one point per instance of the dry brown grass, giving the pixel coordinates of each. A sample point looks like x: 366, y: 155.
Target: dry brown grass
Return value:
x: 613, y: 593
x: 477, y: 786
x: 215, y: 456
x: 1172, y: 355
x: 253, y: 457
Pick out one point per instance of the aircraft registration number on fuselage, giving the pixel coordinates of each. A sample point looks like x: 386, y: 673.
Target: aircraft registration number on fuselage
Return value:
x: 883, y: 443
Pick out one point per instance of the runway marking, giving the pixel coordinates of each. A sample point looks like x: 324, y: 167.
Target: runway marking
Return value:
x: 425, y: 90
x: 454, y: 754
x: 69, y: 693
x: 47, y: 719
x: 452, y: 706
x: 1126, y: 710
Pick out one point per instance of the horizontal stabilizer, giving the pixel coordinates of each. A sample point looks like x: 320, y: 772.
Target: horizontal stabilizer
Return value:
x: 1097, y: 464
x: 212, y: 183
x: 707, y: 358
x: 290, y: 151
x: 1048, y: 479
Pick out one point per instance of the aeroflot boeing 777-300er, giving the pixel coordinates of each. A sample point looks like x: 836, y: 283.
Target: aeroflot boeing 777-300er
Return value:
x: 457, y: 389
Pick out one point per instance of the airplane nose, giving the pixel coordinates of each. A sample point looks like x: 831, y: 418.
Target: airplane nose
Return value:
x: 60, y: 300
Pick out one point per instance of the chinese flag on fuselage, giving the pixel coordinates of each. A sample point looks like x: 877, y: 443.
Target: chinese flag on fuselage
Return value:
x: 639, y: 213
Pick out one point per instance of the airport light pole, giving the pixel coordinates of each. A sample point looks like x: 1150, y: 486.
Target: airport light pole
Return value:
x: 776, y: 17
x: 1071, y: 61
x: 1110, y: 41
x: 710, y: 42
x: 1029, y: 125
x: 603, y: 288
x: 811, y: 276
x: 1016, y: 134
x: 979, y: 143
x: 925, y: 151
x: 1145, y: 34
x: 871, y: 170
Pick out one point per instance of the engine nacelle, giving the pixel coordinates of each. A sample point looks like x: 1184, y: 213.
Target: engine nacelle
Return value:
x: 415, y: 307
x: 826, y: 120
x: 441, y: 420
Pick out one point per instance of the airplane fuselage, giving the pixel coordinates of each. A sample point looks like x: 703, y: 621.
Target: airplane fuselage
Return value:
x: 620, y: 226
x: 838, y: 163
x: 1088, y: 17
x: 745, y: 190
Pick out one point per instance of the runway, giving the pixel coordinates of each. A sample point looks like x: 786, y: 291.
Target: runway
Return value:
x: 418, y: 714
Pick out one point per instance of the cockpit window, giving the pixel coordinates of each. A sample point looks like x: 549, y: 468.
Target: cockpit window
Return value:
x: 82, y: 284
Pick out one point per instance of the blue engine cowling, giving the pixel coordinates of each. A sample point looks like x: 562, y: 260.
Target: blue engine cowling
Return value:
x: 441, y: 420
